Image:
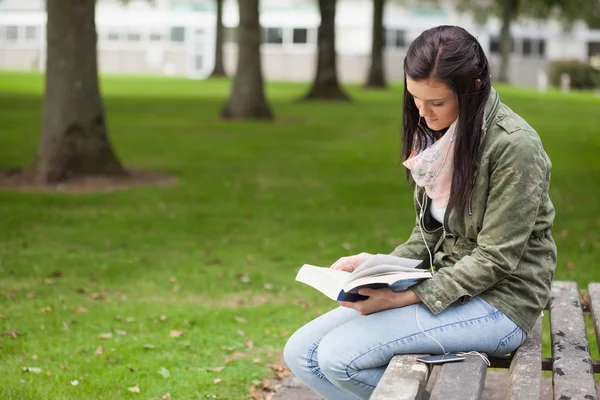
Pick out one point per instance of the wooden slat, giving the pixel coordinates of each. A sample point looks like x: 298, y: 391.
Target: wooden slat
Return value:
x: 594, y: 292
x: 572, y: 374
x: 463, y: 380
x: 525, y: 374
x: 403, y: 379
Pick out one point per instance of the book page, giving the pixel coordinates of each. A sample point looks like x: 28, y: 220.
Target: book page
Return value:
x: 326, y: 280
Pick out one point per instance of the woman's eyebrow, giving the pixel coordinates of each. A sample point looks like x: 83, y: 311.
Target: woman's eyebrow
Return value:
x: 445, y: 98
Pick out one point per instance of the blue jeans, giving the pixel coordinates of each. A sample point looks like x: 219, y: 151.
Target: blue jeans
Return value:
x: 342, y: 354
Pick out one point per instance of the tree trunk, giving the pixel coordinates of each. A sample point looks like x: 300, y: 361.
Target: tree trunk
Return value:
x: 376, y: 77
x: 326, y: 85
x: 219, y: 69
x: 247, y: 99
x: 74, y: 140
x: 508, y: 14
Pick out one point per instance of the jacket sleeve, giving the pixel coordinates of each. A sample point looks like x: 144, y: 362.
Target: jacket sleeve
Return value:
x: 519, y: 176
x: 415, y: 247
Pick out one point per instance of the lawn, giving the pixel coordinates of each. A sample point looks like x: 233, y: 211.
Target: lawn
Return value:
x: 189, y: 289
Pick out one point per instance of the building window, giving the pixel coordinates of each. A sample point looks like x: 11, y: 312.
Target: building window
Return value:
x: 272, y: 35
x: 527, y: 44
x: 495, y: 45
x: 177, y: 34
x: 134, y: 37
x: 11, y: 33
x: 394, y: 38
x: 593, y: 49
x: 542, y: 48
x: 155, y: 37
x: 30, y: 32
x: 300, y: 35
x: 113, y: 36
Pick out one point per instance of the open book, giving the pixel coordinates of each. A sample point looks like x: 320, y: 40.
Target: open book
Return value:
x: 380, y: 271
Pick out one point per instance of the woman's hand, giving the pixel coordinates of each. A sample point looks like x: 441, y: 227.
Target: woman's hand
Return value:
x: 381, y: 299
x: 350, y: 263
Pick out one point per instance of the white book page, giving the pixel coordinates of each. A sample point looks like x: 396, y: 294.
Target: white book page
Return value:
x: 326, y: 280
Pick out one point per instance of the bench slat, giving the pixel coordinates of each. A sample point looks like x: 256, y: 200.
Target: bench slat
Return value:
x: 572, y: 372
x: 463, y: 380
x: 404, y: 379
x: 525, y: 373
x: 594, y: 292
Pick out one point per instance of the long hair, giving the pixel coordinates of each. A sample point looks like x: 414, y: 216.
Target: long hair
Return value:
x: 451, y: 55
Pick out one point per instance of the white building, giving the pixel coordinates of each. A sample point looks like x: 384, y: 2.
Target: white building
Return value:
x: 177, y: 37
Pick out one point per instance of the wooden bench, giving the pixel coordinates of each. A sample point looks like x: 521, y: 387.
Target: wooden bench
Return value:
x: 571, y: 363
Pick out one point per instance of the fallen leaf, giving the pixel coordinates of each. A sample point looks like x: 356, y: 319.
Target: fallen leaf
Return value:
x: 239, y: 319
x: 31, y: 295
x: 172, y: 279
x: 63, y: 367
x: 97, y: 296
x: 134, y: 389
x: 79, y: 310
x: 217, y: 380
x: 248, y: 343
x: 13, y: 334
x: 48, y: 373
x: 164, y: 372
x: 46, y: 309
x: 256, y: 360
x: 253, y: 393
x: 176, y: 333
x: 148, y: 346
x: 75, y: 382
x: 570, y: 265
x: 163, y: 317
x: 241, y: 332
x: 57, y: 274
x: 563, y: 234
x: 130, y: 320
x: 105, y: 336
x: 99, y: 350
x: 49, y: 281
x: 33, y: 370
x: 268, y: 286
x: 121, y: 332
x: 118, y: 317
x: 235, y: 356
x: 165, y: 396
x: 34, y: 357
x: 131, y: 369
x: 2, y: 316
x: 215, y: 369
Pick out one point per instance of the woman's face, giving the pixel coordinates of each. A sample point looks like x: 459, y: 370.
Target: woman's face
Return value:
x: 437, y: 103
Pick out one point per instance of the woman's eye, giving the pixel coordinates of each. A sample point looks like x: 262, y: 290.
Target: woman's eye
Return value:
x: 437, y: 104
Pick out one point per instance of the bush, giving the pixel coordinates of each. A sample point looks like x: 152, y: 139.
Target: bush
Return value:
x: 583, y: 75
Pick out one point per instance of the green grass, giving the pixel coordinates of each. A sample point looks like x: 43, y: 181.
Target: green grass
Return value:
x: 217, y: 253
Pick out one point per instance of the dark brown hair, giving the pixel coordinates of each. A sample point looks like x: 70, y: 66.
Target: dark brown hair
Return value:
x: 451, y: 55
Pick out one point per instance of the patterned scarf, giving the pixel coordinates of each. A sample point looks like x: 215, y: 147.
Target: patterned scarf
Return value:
x: 432, y: 168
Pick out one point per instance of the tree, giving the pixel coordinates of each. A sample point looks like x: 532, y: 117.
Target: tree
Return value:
x: 510, y: 10
x: 325, y: 85
x: 219, y: 69
x: 376, y: 76
x: 74, y: 140
x: 247, y: 99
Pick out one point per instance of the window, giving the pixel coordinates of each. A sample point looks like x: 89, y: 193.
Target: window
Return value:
x: 300, y: 35
x: 134, y: 37
x: 527, y: 44
x: 155, y: 37
x: 11, y: 33
x: 495, y: 45
x: 177, y: 34
x: 394, y: 38
x: 113, y: 36
x: 272, y: 35
x: 593, y: 49
x: 30, y: 32
x: 542, y: 48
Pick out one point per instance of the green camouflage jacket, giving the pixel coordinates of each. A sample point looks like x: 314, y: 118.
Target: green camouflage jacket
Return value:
x: 502, y: 248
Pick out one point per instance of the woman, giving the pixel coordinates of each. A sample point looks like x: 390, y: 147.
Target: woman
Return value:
x: 483, y: 223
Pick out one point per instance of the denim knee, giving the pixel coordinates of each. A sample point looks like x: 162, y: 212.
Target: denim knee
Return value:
x: 332, y: 360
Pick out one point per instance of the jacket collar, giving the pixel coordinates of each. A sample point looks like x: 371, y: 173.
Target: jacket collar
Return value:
x: 491, y: 108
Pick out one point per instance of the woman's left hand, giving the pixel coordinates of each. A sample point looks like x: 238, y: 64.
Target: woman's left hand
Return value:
x: 381, y: 299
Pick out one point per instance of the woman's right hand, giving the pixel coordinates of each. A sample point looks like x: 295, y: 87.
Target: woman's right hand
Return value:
x: 350, y: 263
